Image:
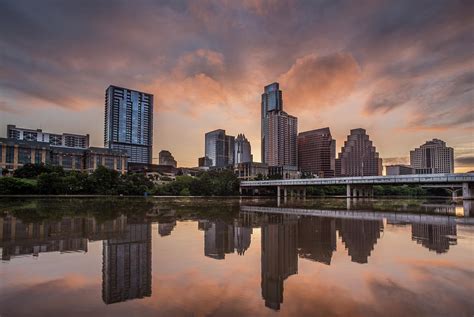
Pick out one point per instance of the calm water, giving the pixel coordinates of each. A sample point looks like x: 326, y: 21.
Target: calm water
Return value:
x: 231, y: 257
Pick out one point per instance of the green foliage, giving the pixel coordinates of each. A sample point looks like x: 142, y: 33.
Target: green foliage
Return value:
x: 336, y: 190
x: 211, y: 183
x: 51, y: 184
x: 34, y: 170
x: 16, y: 186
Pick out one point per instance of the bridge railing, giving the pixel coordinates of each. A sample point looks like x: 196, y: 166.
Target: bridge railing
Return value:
x: 398, y: 179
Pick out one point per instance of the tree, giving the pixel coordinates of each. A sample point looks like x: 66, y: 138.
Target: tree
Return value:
x: 104, y: 181
x: 51, y: 184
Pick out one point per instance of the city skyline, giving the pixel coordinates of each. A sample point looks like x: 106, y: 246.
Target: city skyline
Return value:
x: 377, y: 77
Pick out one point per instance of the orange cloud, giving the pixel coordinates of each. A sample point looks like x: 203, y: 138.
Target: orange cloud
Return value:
x: 315, y: 82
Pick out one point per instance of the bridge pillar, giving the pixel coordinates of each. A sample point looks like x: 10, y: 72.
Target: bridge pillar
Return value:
x: 278, y: 192
x: 468, y: 191
x: 348, y: 190
x: 285, y: 192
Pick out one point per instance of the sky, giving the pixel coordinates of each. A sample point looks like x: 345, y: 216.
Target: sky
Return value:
x: 403, y: 70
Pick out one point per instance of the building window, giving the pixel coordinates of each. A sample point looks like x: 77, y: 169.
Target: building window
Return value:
x: 54, y: 159
x: 119, y: 163
x: 109, y: 162
x: 10, y: 154
x: 67, y: 161
x: 78, y: 163
x: 24, y: 155
x: 38, y: 156
x: 98, y: 160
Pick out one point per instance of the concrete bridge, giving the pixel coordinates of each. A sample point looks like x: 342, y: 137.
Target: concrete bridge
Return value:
x: 362, y: 186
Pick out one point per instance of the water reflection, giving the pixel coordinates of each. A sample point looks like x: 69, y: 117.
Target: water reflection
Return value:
x: 126, y: 264
x: 286, y: 235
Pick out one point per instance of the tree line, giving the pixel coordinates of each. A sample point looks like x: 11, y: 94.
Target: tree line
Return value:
x: 41, y: 179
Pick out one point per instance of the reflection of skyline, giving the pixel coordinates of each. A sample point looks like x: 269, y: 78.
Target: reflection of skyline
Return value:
x: 279, y: 256
x: 359, y: 237
x: 221, y: 238
x: 316, y: 239
x: 126, y: 265
x: 69, y: 234
x: 284, y: 239
x: 435, y: 237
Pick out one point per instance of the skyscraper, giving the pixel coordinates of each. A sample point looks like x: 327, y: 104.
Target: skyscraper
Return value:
x: 129, y: 123
x: 242, y: 150
x: 435, y: 156
x: 279, y: 130
x: 358, y: 156
x: 219, y: 148
x: 317, y: 152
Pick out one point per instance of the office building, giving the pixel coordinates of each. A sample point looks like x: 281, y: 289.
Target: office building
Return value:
x: 358, y: 156
x: 284, y: 172
x: 15, y: 153
x: 67, y: 140
x: 242, y: 150
x: 317, y: 153
x: 129, y: 123
x: 435, y: 156
x: 166, y: 158
x: 204, y: 162
x: 279, y: 130
x: 219, y: 148
x: 392, y: 170
x: 251, y: 170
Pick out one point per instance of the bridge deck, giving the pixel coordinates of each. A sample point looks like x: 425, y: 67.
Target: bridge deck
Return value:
x: 367, y: 180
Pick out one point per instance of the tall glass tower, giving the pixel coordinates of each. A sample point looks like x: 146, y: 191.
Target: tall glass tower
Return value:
x: 271, y: 101
x: 279, y: 130
x: 219, y: 148
x: 129, y: 123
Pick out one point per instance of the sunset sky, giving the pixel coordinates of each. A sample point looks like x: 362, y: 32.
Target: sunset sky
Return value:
x: 403, y: 70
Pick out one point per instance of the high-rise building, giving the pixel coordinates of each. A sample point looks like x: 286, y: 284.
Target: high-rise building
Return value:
x: 129, y: 123
x: 281, y: 139
x: 279, y: 130
x: 166, y: 158
x: 242, y: 150
x: 317, y: 152
x: 67, y: 140
x: 219, y: 148
x: 358, y: 156
x: 434, y: 155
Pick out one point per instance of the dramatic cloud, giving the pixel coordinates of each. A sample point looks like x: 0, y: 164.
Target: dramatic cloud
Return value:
x: 316, y: 82
x: 405, y: 63
x: 465, y: 160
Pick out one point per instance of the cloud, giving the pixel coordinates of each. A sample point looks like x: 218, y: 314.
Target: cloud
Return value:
x: 315, y: 82
x: 467, y: 160
x: 5, y: 107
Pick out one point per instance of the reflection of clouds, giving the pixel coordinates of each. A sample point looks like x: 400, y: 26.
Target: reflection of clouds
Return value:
x: 438, y: 288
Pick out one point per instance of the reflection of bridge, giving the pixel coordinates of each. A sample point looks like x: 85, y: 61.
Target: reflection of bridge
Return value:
x: 366, y: 215
x: 362, y: 186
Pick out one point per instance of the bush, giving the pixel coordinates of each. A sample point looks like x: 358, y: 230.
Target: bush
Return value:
x: 16, y: 186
